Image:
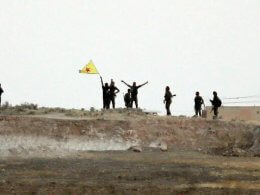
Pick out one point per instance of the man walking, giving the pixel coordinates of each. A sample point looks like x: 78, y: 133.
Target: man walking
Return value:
x: 134, y: 91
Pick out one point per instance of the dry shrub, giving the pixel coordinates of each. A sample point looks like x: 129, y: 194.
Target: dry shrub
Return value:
x: 26, y: 105
x: 6, y: 105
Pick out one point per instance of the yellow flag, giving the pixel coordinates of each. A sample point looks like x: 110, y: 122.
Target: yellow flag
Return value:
x: 90, y: 68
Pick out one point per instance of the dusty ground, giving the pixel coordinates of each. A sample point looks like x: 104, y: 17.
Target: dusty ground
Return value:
x: 86, y: 153
x: 125, y: 172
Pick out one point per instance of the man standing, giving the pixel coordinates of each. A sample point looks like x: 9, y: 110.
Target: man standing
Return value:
x: 134, y: 91
x: 198, y: 102
x: 168, y: 100
x: 216, y: 103
x: 113, y: 90
x: 105, y: 89
x: 127, y: 98
x: 1, y: 91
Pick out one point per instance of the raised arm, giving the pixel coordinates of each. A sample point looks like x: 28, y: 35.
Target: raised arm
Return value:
x: 126, y: 84
x: 101, y: 81
x: 143, y: 84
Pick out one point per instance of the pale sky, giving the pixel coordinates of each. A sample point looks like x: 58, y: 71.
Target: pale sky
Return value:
x: 190, y: 45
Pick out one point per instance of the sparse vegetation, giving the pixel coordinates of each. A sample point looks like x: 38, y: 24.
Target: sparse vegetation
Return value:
x: 29, y: 106
x: 6, y: 105
x: 33, y: 109
x: 31, y: 112
x: 92, y: 109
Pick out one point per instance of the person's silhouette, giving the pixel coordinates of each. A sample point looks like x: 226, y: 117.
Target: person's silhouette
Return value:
x: 127, y: 98
x: 198, y: 100
x: 216, y: 103
x: 113, y: 90
x: 1, y: 91
x: 105, y: 89
x: 134, y: 91
x: 168, y: 100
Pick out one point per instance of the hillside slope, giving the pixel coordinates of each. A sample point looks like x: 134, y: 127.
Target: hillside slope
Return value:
x: 86, y: 153
x: 119, y: 131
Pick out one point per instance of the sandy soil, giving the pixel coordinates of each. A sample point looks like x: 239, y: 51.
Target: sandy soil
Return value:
x: 58, y: 154
x: 125, y: 172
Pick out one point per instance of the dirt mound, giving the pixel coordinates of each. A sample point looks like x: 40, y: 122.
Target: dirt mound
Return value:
x: 124, y: 130
x: 51, y: 154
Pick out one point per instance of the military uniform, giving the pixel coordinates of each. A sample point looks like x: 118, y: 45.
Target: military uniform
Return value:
x: 168, y: 100
x: 198, y: 102
x: 1, y: 91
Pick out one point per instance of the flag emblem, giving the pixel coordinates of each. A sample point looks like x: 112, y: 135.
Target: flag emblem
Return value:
x: 90, y: 68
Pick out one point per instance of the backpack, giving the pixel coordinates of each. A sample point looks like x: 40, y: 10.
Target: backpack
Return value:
x: 218, y: 102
